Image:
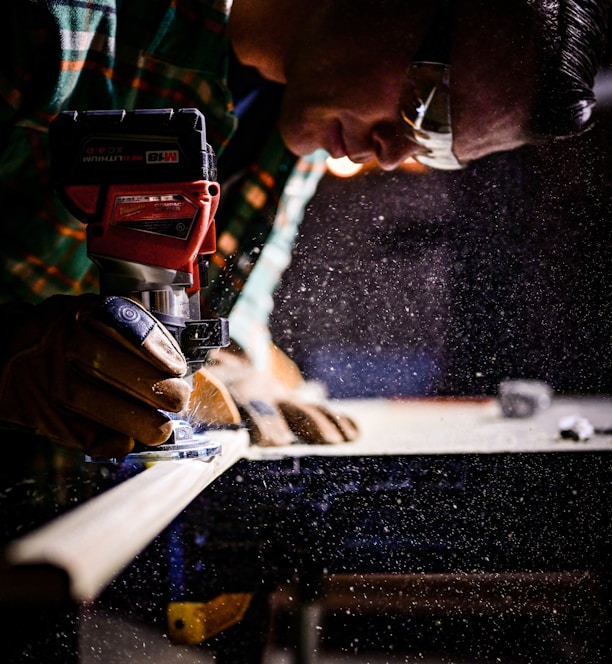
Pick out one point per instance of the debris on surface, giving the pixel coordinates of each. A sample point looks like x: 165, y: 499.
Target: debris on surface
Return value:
x: 523, y: 398
x: 575, y: 427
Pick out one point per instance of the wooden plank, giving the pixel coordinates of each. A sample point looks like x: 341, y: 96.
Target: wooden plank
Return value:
x: 455, y: 426
x: 96, y: 540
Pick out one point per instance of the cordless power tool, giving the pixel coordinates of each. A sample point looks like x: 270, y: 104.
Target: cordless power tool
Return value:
x: 144, y: 183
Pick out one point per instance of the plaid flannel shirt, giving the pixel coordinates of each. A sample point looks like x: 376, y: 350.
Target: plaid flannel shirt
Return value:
x: 60, y: 54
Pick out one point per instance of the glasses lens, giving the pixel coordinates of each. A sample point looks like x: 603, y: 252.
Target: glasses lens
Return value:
x: 425, y: 107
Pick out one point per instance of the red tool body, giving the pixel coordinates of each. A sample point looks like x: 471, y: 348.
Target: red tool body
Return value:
x: 169, y: 225
x: 144, y: 183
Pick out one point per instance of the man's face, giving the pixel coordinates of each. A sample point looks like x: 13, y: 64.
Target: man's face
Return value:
x: 349, y: 71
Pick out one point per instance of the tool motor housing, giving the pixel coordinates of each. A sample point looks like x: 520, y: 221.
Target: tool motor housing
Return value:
x: 144, y: 182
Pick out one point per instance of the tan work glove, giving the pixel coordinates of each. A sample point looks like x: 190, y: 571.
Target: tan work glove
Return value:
x: 273, y: 406
x: 90, y: 372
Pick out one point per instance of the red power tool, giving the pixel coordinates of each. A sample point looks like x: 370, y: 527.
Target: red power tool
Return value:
x: 144, y: 183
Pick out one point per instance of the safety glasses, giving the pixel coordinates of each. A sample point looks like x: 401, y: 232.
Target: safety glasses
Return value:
x: 425, y: 108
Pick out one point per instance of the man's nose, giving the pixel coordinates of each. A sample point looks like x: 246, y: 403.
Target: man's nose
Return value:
x: 393, y: 144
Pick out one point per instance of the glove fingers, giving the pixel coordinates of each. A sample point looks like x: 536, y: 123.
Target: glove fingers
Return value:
x: 110, y: 408
x: 92, y: 373
x: 49, y: 418
x: 348, y: 427
x: 311, y: 424
x: 266, y: 424
x: 102, y: 358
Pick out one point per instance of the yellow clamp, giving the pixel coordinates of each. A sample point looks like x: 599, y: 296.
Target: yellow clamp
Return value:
x: 190, y: 623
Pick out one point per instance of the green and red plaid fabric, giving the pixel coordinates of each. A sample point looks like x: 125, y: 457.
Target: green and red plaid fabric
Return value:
x: 77, y: 54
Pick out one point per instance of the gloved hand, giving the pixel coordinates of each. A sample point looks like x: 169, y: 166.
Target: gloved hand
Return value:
x: 91, y: 373
x: 274, y: 407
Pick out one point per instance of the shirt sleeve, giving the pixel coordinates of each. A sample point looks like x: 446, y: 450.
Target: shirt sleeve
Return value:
x: 250, y: 315
x: 64, y: 55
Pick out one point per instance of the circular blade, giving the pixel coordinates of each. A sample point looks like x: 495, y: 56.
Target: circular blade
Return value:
x: 198, y: 447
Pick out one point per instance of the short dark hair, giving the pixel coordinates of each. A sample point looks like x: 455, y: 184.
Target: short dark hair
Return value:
x: 566, y: 99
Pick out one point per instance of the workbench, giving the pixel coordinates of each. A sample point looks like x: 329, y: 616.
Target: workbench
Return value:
x: 443, y: 506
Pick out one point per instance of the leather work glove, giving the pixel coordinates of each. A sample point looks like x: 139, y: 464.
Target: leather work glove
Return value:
x: 91, y: 373
x: 273, y: 406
